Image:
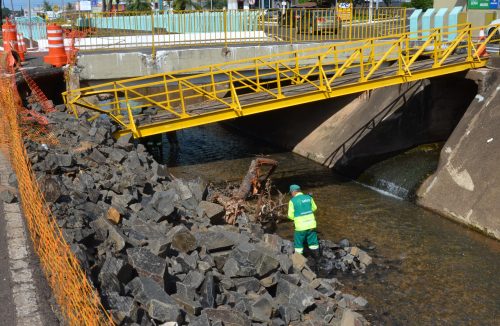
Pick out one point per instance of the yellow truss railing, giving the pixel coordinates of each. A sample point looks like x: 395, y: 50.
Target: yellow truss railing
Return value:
x: 155, y: 104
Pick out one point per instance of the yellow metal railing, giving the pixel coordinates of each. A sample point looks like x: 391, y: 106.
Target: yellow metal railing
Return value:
x: 229, y: 90
x: 159, y: 29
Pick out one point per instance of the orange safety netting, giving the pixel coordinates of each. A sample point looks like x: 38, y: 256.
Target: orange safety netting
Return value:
x: 77, y: 298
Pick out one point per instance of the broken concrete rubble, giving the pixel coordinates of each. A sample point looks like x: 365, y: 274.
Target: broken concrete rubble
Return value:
x: 161, y: 252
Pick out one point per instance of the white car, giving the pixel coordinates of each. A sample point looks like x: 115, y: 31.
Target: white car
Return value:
x: 491, y: 28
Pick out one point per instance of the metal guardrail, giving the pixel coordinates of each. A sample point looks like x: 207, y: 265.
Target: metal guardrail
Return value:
x: 225, y: 91
x: 160, y: 29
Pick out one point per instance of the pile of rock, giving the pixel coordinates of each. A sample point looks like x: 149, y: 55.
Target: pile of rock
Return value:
x: 159, y: 252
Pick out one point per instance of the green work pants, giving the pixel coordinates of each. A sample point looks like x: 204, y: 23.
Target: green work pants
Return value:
x: 309, y: 237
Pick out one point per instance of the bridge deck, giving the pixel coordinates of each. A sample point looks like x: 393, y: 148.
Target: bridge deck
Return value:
x: 246, y: 100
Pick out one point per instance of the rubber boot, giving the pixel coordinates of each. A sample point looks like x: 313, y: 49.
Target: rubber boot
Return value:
x: 315, y: 255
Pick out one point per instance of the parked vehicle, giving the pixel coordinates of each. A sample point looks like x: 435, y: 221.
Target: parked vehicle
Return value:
x: 293, y: 15
x: 271, y: 17
x: 491, y: 29
x: 319, y: 21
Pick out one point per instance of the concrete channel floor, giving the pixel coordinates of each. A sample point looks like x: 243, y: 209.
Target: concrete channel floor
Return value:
x: 25, y: 296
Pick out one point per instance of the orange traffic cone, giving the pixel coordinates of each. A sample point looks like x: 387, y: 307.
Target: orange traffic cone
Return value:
x: 481, y: 50
x: 21, y: 46
x: 57, y: 54
x: 9, y: 35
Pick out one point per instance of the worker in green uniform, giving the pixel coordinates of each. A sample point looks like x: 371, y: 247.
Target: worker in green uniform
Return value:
x: 301, y: 210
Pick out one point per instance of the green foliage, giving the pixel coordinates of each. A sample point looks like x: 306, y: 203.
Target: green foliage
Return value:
x: 46, y: 6
x: 138, y: 5
x: 5, y: 12
x: 216, y: 4
x: 70, y: 6
x: 422, y: 4
x: 406, y: 5
x: 185, y: 5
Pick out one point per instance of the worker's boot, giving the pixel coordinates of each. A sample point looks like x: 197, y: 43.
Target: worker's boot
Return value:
x: 315, y: 254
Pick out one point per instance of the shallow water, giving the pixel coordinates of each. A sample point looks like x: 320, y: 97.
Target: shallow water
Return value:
x: 428, y: 270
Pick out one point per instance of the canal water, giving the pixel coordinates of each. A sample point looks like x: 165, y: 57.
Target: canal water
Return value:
x: 427, y: 270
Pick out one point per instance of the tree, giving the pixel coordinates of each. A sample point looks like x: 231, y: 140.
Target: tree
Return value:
x: 69, y: 6
x: 46, y: 6
x: 216, y: 4
x: 422, y: 4
x: 138, y: 5
x: 5, y: 12
x: 185, y: 4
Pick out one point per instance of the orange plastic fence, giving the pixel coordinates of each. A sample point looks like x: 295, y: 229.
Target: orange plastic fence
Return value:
x: 78, y: 300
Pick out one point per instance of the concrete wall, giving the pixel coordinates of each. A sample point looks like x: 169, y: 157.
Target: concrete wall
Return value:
x: 466, y: 185
x: 119, y: 65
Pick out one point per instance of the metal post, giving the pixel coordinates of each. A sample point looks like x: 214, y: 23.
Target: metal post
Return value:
x: 370, y: 12
x: 153, y: 51
x: 29, y: 25
x: 225, y: 28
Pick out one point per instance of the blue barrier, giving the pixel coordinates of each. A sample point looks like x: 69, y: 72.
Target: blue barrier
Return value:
x: 414, y: 23
x: 204, y: 22
x: 38, y: 27
x: 453, y: 20
x: 439, y: 18
x: 426, y: 21
x: 198, y: 22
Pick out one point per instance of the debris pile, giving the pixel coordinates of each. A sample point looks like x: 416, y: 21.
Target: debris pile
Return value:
x: 160, y: 253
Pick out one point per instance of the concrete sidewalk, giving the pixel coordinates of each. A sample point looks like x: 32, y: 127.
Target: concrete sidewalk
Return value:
x: 24, y: 293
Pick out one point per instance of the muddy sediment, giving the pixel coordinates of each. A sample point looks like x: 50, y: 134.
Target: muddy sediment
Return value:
x: 159, y: 252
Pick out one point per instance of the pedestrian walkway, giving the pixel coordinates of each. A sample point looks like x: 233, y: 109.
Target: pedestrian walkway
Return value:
x: 21, y: 280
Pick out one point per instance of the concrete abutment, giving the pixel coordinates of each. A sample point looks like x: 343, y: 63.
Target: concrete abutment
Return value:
x: 466, y: 184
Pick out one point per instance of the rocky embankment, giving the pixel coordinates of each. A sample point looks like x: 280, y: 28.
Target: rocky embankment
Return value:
x: 158, y: 253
